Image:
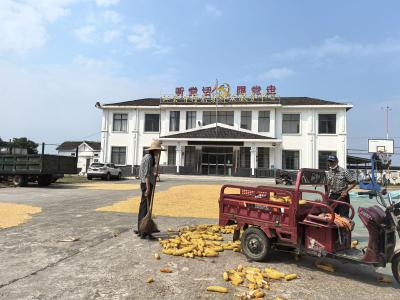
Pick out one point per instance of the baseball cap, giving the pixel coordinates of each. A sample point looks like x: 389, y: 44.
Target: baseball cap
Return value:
x: 332, y: 158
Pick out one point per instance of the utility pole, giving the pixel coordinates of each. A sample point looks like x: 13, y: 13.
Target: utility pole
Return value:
x: 387, y: 108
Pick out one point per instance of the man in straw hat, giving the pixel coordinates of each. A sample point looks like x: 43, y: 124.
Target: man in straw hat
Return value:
x: 147, y: 179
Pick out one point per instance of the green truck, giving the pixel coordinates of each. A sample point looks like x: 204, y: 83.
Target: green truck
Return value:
x: 41, y: 168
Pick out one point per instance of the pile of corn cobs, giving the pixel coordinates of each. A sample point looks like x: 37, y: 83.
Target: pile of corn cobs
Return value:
x: 202, y: 240
x: 255, y: 279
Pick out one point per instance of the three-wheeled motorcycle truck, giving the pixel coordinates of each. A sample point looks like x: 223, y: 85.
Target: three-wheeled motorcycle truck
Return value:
x: 289, y: 219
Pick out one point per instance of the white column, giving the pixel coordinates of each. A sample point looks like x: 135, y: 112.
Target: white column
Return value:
x: 236, y: 118
x: 271, y: 157
x: 253, y: 156
x: 178, y: 156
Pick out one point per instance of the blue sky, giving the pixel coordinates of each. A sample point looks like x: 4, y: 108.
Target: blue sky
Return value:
x: 58, y: 57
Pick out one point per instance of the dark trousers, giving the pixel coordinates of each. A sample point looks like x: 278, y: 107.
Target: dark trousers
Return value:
x: 341, y: 209
x: 143, y: 202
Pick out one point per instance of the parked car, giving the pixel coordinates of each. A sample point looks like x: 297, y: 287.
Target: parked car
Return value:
x: 104, y: 171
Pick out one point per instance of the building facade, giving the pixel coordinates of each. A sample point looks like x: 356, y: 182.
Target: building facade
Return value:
x: 88, y: 152
x: 238, y: 138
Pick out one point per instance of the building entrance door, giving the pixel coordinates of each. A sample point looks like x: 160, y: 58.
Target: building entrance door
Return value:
x: 217, y: 161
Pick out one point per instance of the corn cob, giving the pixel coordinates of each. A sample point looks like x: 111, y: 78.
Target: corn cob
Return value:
x: 219, y: 289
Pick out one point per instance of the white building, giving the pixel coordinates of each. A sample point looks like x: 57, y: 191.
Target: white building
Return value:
x: 251, y: 136
x: 88, y: 152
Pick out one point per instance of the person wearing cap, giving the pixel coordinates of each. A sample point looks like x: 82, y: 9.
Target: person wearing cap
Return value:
x: 340, y: 182
x: 147, y: 175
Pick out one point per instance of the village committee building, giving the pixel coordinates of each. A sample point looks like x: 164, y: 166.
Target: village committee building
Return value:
x: 220, y: 134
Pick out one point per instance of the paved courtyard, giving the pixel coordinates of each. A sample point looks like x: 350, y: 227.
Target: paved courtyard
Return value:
x: 75, y: 248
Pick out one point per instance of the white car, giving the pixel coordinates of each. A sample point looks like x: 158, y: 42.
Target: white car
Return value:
x: 104, y: 171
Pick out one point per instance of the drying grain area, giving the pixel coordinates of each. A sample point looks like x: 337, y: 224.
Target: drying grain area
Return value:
x: 75, y: 241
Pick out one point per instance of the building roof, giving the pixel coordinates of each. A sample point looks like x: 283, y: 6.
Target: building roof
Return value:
x: 72, y: 145
x: 219, y: 133
x: 281, y: 100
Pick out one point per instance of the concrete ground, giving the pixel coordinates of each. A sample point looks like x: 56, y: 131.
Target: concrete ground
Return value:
x: 108, y: 261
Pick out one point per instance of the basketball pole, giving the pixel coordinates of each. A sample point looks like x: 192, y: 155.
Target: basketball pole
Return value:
x: 387, y: 109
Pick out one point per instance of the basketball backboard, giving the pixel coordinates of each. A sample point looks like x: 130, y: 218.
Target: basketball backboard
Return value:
x: 383, y: 146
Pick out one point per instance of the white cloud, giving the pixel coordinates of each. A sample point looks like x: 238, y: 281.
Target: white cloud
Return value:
x: 213, y: 11
x: 111, y: 16
x: 336, y: 46
x: 111, y: 35
x: 68, y: 93
x: 143, y: 36
x: 23, y: 24
x: 93, y: 63
x: 277, y: 73
x: 85, y: 34
x: 106, y: 3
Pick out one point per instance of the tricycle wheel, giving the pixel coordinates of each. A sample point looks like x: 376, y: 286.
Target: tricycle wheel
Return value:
x: 396, y: 267
x: 255, y: 244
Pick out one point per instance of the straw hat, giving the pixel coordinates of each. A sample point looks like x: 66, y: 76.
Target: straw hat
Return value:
x: 155, y: 145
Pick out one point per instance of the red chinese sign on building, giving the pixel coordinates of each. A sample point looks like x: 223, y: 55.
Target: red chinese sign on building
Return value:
x: 193, y: 91
x: 256, y: 90
x: 241, y: 90
x: 271, y: 90
x: 206, y: 91
x: 179, y: 91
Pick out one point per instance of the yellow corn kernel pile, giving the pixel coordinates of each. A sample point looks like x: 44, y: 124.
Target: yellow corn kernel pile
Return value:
x: 255, y: 279
x: 202, y: 240
x: 12, y: 214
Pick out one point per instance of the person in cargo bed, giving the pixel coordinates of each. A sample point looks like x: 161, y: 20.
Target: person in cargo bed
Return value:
x: 340, y: 182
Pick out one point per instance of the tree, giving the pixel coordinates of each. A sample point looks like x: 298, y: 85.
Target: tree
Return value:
x: 24, y: 143
x: 3, y: 143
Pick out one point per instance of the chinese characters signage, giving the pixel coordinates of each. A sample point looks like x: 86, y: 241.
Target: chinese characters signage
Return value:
x: 223, y: 93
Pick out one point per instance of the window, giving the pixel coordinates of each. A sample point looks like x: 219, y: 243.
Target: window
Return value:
x: 174, y: 117
x: 208, y: 117
x: 190, y: 119
x: 118, y: 155
x: 327, y: 123
x: 263, y: 121
x: 171, y: 155
x: 244, y: 157
x: 120, y: 122
x: 245, y: 120
x: 263, y: 157
x: 291, y: 123
x: 225, y: 117
x: 190, y: 156
x: 290, y: 159
x: 151, y: 122
x: 322, y: 159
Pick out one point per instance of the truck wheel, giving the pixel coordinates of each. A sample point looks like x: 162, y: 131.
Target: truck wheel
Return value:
x: 108, y: 177
x: 19, y: 180
x: 396, y: 267
x: 255, y: 244
x: 89, y: 178
x: 119, y: 176
x: 44, y: 181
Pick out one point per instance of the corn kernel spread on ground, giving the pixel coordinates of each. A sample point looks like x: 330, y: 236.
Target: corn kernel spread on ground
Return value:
x: 196, y: 201
x: 14, y: 214
x: 110, y: 186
